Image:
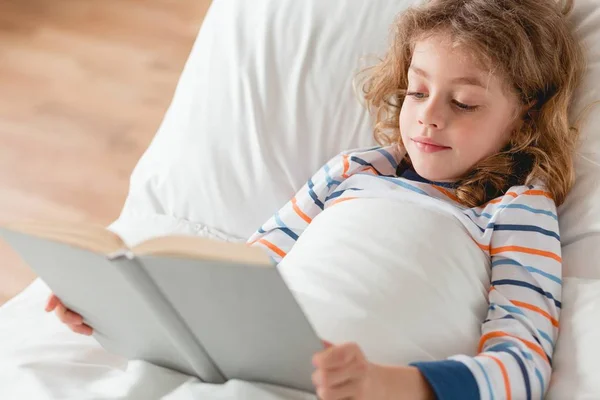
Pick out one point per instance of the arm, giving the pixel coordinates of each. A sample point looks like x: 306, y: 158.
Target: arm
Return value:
x: 279, y: 234
x: 519, y: 333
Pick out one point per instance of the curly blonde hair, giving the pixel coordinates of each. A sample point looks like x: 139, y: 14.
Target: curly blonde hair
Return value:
x: 531, y: 45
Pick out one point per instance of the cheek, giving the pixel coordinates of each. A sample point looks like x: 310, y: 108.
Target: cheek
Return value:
x: 405, y: 120
x: 478, y: 138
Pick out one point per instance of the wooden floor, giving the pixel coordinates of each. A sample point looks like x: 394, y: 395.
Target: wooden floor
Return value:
x: 83, y: 88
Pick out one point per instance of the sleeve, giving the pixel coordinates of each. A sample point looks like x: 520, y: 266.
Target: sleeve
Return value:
x: 521, y: 328
x: 279, y: 234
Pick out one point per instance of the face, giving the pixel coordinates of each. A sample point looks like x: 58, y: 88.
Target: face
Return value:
x: 455, y: 113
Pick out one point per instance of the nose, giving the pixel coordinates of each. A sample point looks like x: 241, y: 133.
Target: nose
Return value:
x: 431, y: 114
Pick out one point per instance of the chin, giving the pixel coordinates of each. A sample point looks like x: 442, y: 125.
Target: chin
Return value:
x: 434, y: 173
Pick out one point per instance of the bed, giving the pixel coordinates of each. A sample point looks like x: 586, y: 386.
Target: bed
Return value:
x: 265, y: 98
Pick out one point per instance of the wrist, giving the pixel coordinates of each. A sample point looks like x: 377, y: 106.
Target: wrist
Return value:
x: 399, y: 382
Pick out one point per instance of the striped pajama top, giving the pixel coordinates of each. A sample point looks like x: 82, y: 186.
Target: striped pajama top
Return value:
x: 518, y: 231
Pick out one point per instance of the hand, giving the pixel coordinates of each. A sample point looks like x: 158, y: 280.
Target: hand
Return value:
x: 73, y: 320
x: 343, y: 372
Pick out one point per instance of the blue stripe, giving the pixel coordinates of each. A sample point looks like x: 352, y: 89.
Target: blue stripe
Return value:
x: 513, y: 282
x: 508, y: 261
x: 523, y: 372
x: 543, y: 334
x: 313, y: 195
x: 403, y: 184
x: 530, y: 209
x: 475, y: 223
x: 283, y: 227
x: 507, y: 316
x: 523, y: 228
x: 339, y: 193
x: 541, y: 379
x: 487, y: 378
x: 515, y: 310
x: 506, y: 348
x: 487, y: 215
x: 546, y: 337
x: 390, y: 158
x: 330, y: 181
x: 367, y: 164
x: 510, y: 309
x: 261, y: 230
x: 502, y: 345
x: 516, y: 206
x: 449, y: 379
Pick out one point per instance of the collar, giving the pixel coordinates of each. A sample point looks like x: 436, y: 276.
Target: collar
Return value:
x: 412, y: 175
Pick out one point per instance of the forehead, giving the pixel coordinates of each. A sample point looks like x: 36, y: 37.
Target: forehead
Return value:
x: 438, y: 54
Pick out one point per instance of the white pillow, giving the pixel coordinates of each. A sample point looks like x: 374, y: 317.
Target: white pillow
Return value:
x: 579, y: 216
x: 265, y: 99
x: 575, y: 374
x: 414, y: 288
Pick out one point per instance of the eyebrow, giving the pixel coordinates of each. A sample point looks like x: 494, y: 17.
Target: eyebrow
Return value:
x: 463, y: 80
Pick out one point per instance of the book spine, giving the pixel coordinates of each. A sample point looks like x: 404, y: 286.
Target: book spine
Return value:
x: 176, y: 329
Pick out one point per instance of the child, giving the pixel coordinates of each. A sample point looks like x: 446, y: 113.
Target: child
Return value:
x: 471, y: 106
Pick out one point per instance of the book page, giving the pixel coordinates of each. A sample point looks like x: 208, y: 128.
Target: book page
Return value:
x: 203, y: 249
x: 89, y: 237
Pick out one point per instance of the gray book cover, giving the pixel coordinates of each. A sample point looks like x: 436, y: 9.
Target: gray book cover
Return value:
x: 211, y: 319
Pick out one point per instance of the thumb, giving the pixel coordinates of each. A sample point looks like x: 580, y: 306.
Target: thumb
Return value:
x: 327, y: 344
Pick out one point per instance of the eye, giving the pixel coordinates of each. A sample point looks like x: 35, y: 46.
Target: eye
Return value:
x: 464, y: 107
x: 416, y: 95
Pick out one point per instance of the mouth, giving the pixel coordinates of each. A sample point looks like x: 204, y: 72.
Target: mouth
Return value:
x: 429, y: 146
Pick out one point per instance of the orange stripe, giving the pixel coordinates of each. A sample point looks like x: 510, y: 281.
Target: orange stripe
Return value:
x: 537, y: 310
x: 504, y: 375
x: 346, y: 166
x: 343, y: 199
x: 527, y: 250
x: 447, y: 193
x: 373, y: 170
x: 513, y: 194
x: 299, y: 211
x: 538, y: 193
x: 499, y: 199
x: 481, y: 246
x: 274, y: 248
x: 498, y: 334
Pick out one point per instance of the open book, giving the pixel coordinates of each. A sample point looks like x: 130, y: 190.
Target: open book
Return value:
x: 210, y: 309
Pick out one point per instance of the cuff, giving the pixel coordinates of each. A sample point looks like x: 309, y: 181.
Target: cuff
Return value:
x: 449, y: 379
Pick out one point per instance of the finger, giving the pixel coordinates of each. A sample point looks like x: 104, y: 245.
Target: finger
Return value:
x: 350, y: 390
x: 337, y: 356
x: 338, y: 376
x: 52, y: 302
x: 327, y: 344
x: 68, y: 316
x: 82, y: 329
